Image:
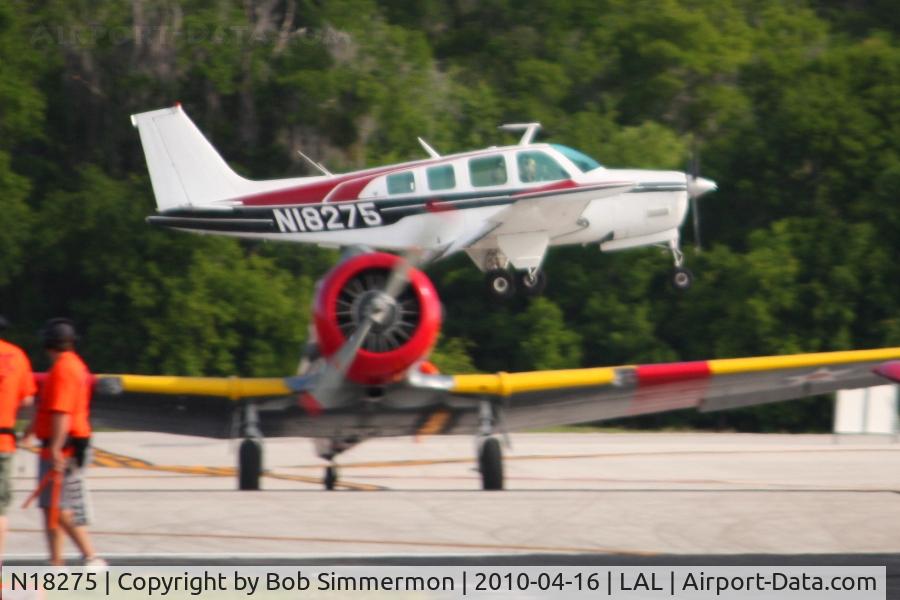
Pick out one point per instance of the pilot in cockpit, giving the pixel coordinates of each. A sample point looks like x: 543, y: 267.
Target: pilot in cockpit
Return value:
x: 528, y: 170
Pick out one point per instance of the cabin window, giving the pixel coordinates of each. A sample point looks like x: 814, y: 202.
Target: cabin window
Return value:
x: 579, y: 159
x: 490, y: 170
x: 401, y: 183
x: 537, y: 166
x: 441, y: 178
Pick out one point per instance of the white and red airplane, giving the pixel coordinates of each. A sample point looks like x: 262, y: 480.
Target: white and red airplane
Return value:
x: 511, y: 203
x: 376, y: 318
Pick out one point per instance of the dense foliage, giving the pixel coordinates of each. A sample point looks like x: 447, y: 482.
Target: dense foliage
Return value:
x: 794, y: 107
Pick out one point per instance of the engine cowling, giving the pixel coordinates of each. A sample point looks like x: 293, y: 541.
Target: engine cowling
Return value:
x: 404, y: 338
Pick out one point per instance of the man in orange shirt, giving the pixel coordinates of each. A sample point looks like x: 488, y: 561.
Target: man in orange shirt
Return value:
x: 16, y: 390
x: 63, y: 426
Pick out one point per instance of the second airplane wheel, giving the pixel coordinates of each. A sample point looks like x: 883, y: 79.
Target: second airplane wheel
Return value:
x: 490, y: 463
x: 330, y: 477
x: 682, y: 279
x: 249, y: 464
x: 533, y: 285
x: 500, y: 284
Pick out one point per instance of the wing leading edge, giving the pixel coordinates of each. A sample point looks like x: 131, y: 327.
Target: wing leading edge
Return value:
x: 540, y: 399
x: 449, y: 404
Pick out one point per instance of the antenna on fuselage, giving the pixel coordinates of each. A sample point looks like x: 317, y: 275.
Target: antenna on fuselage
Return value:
x: 431, y: 151
x: 530, y: 130
x: 318, y: 166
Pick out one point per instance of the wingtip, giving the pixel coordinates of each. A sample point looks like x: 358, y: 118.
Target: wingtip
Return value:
x: 109, y: 386
x: 889, y: 370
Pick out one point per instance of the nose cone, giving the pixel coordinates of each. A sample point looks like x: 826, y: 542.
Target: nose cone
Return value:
x: 889, y: 370
x: 698, y: 186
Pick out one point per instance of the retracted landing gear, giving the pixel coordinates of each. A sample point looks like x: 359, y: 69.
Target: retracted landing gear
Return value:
x: 490, y: 455
x: 682, y: 278
x: 250, y: 454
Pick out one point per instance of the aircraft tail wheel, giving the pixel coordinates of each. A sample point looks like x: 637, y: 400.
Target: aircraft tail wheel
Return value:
x: 533, y: 285
x: 682, y: 278
x: 249, y: 464
x: 500, y: 284
x: 490, y: 463
x: 331, y: 477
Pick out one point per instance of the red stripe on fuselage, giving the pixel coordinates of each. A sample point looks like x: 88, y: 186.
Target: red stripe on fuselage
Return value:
x: 312, y: 193
x: 350, y: 189
x: 348, y: 186
x: 564, y: 184
x: 671, y: 372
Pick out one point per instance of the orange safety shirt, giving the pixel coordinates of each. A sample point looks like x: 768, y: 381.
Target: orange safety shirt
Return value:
x: 66, y: 390
x: 16, y: 384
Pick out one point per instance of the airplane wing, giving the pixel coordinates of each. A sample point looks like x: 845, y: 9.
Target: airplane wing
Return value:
x: 524, y: 229
x: 445, y: 404
x: 203, y: 406
x: 546, y: 398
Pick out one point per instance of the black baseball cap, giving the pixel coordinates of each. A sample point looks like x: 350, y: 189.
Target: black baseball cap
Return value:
x: 58, y: 333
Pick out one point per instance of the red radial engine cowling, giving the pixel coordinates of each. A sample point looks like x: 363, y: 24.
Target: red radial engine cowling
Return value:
x: 390, y: 349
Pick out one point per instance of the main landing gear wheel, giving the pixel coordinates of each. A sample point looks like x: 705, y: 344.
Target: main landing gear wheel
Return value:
x: 500, y: 284
x: 331, y: 477
x: 249, y: 464
x: 682, y: 278
x: 490, y: 463
x: 533, y: 284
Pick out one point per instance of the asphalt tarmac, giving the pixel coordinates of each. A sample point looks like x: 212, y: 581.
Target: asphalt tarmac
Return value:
x: 616, y: 498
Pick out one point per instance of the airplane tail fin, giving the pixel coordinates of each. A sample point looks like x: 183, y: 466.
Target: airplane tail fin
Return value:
x: 185, y: 169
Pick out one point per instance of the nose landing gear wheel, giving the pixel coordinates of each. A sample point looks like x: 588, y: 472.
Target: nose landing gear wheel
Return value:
x: 682, y: 278
x: 331, y: 477
x: 500, y: 284
x: 249, y: 464
x: 490, y: 463
x: 533, y: 284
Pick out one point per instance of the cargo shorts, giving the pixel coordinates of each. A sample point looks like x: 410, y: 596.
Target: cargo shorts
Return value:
x: 6, y: 467
x: 73, y: 496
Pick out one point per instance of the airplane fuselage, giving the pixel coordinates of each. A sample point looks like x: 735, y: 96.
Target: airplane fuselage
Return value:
x: 397, y: 207
x: 503, y: 206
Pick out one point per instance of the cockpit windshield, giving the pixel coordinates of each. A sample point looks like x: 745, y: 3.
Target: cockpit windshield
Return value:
x: 581, y: 160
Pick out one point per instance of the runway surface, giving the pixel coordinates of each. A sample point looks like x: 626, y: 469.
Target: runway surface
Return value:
x: 571, y: 498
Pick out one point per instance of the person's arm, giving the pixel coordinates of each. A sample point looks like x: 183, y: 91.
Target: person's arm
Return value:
x: 27, y: 440
x: 27, y: 390
x: 59, y: 433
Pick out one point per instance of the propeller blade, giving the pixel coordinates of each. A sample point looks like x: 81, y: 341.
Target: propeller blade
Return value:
x: 398, y: 278
x: 696, y: 187
x: 335, y: 371
x: 695, y: 209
